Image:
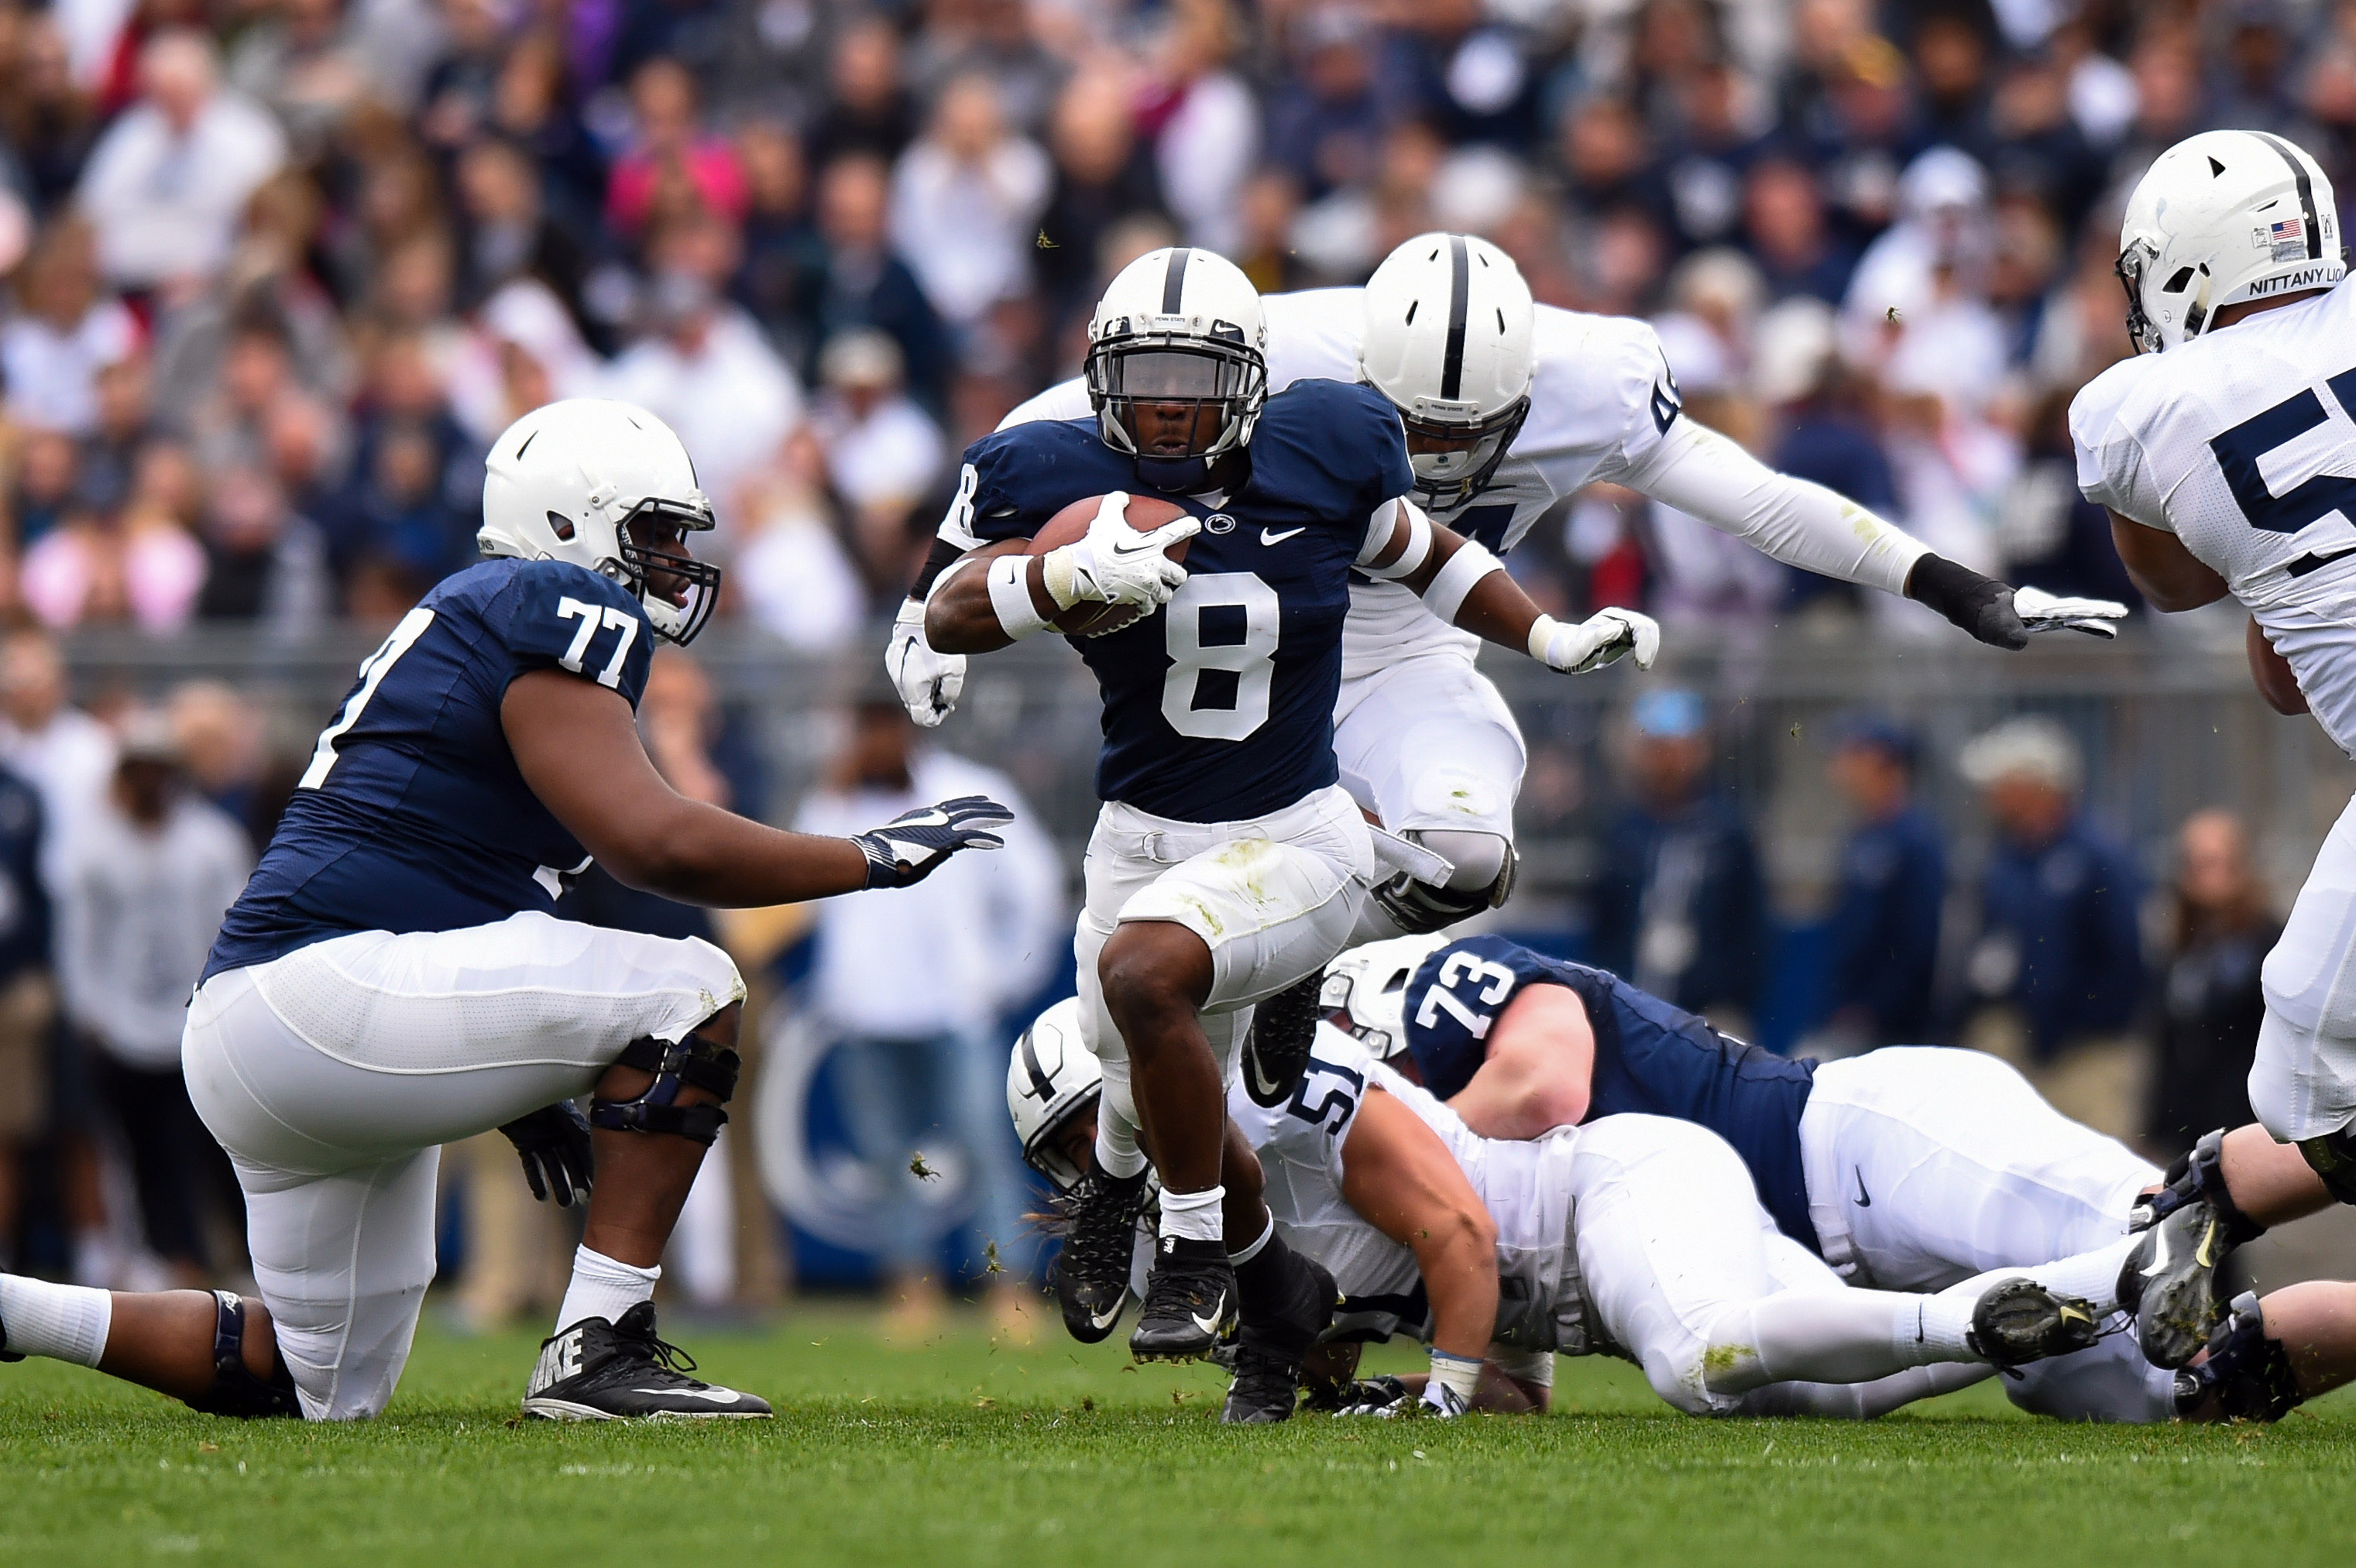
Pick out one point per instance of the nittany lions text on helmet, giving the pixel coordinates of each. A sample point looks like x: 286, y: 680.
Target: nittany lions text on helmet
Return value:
x: 1448, y: 340
x: 2220, y: 218
x: 608, y: 486
x: 1178, y: 325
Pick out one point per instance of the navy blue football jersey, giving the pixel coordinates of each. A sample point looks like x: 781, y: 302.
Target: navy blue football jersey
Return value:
x: 1219, y: 706
x: 1650, y: 1057
x: 412, y: 815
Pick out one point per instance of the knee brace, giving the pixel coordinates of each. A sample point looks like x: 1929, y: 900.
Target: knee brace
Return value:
x: 2333, y: 1158
x: 235, y: 1392
x: 692, y: 1063
x: 2249, y: 1374
x: 2196, y: 1177
x: 1421, y: 908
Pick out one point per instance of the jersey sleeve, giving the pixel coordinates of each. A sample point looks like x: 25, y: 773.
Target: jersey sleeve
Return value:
x: 1014, y: 479
x: 1602, y: 385
x: 1454, y: 998
x: 557, y: 615
x: 2113, y: 469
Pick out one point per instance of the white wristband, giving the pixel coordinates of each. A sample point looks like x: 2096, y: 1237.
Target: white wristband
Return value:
x: 1010, y: 595
x: 1542, y: 631
x: 1458, y: 1374
x: 1059, y: 576
x: 1457, y: 574
x: 1418, y: 552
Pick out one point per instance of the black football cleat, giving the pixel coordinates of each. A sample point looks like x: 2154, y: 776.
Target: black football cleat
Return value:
x: 2169, y: 1280
x: 598, y: 1370
x: 1266, y: 1389
x: 2019, y: 1321
x: 1276, y: 1050
x: 1099, y: 1244
x: 1190, y: 1301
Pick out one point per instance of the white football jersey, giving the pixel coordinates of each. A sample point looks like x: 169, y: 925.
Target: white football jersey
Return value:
x: 2242, y: 443
x: 1526, y: 1186
x: 1601, y: 397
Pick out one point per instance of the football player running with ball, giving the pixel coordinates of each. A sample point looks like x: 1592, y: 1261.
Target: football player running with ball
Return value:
x: 1227, y: 863
x: 392, y: 978
x: 2226, y: 454
x: 1509, y: 407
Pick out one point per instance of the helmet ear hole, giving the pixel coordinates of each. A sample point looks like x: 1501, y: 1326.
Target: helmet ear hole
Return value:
x: 561, y: 525
x: 2176, y: 285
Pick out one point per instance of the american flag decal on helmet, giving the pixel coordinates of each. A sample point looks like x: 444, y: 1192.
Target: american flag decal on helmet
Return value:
x: 2289, y: 238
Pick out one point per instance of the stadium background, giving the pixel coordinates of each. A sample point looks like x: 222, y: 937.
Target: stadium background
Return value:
x: 275, y: 270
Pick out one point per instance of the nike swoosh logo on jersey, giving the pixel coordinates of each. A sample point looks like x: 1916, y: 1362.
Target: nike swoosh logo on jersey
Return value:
x: 1218, y: 1316
x: 1863, y: 1201
x: 712, y: 1395
x: 1269, y: 536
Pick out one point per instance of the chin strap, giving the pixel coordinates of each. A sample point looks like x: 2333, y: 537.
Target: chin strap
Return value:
x: 235, y: 1392
x: 692, y: 1063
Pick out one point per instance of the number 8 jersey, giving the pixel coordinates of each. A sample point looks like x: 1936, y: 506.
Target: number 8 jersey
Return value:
x: 1219, y: 706
x: 2242, y: 442
x: 411, y: 815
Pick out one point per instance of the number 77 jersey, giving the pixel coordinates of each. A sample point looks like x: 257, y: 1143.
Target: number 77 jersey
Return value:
x: 411, y: 815
x: 2242, y: 442
x: 1219, y: 706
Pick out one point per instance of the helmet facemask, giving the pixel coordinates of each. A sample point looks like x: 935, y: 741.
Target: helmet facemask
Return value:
x: 1450, y: 479
x: 654, y: 572
x: 1164, y: 370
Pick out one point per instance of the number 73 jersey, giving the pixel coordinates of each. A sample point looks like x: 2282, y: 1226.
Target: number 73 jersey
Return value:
x: 2242, y: 444
x: 411, y: 815
x: 1219, y: 706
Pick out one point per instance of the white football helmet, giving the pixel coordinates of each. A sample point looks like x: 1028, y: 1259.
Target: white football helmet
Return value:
x: 1446, y: 338
x: 1178, y: 325
x: 608, y: 486
x: 1051, y: 1076
x: 2219, y: 218
x: 1366, y: 990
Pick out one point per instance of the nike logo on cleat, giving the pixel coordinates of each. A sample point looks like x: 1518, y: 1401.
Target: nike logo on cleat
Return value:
x: 714, y: 1395
x: 1269, y: 536
x: 1218, y: 1316
x: 1104, y: 1320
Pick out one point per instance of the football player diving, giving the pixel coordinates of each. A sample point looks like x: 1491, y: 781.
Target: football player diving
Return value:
x: 392, y: 978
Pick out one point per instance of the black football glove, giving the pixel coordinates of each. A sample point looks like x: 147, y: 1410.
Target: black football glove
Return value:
x: 1980, y: 605
x: 554, y: 1144
x: 906, y: 850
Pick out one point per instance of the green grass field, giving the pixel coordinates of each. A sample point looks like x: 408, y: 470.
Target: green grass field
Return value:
x: 961, y: 1451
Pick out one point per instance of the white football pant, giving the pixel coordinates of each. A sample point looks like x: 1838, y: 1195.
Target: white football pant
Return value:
x: 2303, y: 1083
x: 333, y: 1074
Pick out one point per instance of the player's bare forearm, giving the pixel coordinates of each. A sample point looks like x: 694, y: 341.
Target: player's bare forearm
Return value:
x: 1537, y: 1075
x: 2162, y: 569
x: 1403, y: 1181
x: 578, y: 749
x: 960, y: 617
x: 1495, y: 608
x: 2271, y: 672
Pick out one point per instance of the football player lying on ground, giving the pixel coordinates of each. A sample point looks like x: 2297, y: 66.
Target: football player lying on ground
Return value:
x: 1509, y: 407
x: 1636, y: 1235
x: 1905, y: 1169
x: 391, y: 978
x: 2224, y: 453
x: 1227, y: 863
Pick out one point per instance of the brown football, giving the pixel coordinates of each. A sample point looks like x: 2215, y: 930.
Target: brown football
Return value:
x: 1069, y: 526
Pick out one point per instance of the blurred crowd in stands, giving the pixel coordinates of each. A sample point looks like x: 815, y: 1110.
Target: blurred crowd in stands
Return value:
x: 272, y: 272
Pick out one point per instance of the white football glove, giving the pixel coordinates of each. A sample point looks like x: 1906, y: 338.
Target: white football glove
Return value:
x: 1603, y: 638
x: 1115, y: 564
x: 1438, y: 1401
x: 2042, y: 611
x: 929, y: 683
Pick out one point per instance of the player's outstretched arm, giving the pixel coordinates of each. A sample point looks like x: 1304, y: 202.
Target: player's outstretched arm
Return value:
x: 1463, y: 584
x: 577, y: 747
x: 1402, y: 1180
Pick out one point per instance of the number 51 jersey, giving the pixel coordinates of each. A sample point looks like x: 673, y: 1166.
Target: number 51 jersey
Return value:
x: 413, y: 814
x: 2242, y: 444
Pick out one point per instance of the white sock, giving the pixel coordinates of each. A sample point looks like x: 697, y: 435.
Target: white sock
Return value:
x: 604, y: 1287
x: 2094, y: 1275
x: 1831, y: 1337
x: 66, y: 1321
x: 1117, y: 1150
x: 1193, y: 1216
x: 1259, y: 1245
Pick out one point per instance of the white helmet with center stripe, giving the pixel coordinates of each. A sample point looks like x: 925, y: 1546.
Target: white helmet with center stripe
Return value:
x: 1366, y: 990
x: 1178, y: 325
x: 1051, y: 1077
x: 606, y: 485
x: 2220, y: 218
x: 1446, y: 338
